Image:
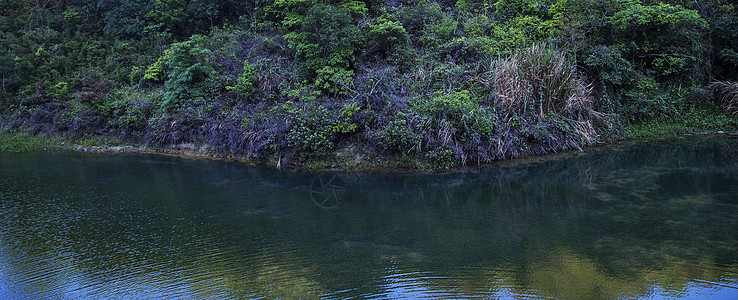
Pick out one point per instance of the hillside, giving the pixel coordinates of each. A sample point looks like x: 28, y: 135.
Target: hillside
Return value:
x: 424, y: 83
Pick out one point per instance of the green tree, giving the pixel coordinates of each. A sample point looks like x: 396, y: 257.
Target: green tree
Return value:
x: 126, y: 19
x: 246, y: 83
x: 722, y: 15
x: 509, y: 9
x: 580, y: 24
x: 188, y: 66
x: 326, y: 46
x: 169, y: 15
x: 664, y: 40
x: 388, y: 39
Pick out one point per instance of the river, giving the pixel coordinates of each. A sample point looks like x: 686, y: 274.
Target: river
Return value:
x: 654, y: 219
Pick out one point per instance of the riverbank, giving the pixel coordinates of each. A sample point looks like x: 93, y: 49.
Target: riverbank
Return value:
x: 343, y: 159
x: 349, y: 158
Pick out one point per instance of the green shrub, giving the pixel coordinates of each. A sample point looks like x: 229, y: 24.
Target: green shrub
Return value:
x: 155, y: 72
x: 311, y: 132
x: 245, y: 84
x: 132, y: 109
x: 60, y: 91
x: 428, y: 25
x: 647, y: 100
x: 441, y: 157
x: 453, y: 105
x: 456, y: 125
x: 325, y: 46
x: 439, y: 31
x: 664, y: 39
x: 608, y: 67
x: 471, y: 49
x: 334, y: 80
x: 346, y: 122
x: 188, y: 66
x: 398, y: 136
x: 389, y: 39
x: 272, y: 77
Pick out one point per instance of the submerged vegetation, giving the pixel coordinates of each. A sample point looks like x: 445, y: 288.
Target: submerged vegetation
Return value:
x: 417, y: 83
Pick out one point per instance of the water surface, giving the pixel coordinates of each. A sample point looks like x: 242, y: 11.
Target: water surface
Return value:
x: 653, y: 219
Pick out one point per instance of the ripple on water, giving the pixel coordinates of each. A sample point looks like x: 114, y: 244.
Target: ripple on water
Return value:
x: 115, y: 228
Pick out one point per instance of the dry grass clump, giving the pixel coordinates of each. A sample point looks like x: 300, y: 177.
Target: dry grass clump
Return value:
x: 727, y: 94
x: 540, y: 80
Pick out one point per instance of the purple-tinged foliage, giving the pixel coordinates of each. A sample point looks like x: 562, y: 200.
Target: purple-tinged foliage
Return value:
x: 430, y: 112
x: 93, y: 86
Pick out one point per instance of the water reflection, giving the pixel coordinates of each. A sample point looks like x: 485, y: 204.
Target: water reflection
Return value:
x: 654, y: 219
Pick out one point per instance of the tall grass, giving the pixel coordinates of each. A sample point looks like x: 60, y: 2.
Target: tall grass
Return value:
x: 541, y: 80
x: 727, y: 94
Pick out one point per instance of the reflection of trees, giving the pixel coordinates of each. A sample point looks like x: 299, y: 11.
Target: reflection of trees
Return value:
x: 109, y: 228
x: 623, y: 227
x: 607, y: 223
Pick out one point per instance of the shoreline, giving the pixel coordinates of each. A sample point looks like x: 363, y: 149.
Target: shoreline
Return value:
x: 189, y: 151
x: 380, y: 164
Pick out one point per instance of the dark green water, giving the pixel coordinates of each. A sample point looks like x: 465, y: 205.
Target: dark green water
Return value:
x: 654, y: 219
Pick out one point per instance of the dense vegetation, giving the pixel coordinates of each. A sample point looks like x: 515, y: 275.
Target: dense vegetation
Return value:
x: 438, y: 83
